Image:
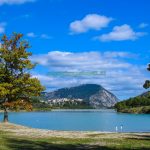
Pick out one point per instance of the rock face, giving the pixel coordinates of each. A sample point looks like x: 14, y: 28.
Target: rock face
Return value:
x: 103, y: 98
x: 93, y: 94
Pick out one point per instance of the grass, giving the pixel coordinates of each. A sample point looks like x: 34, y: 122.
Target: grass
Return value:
x: 9, y: 140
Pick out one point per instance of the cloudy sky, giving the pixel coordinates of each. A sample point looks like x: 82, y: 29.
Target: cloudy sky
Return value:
x: 90, y: 41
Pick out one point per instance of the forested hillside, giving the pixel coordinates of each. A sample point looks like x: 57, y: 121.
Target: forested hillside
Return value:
x: 139, y: 104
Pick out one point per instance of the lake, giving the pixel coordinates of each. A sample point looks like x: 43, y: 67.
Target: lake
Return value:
x: 104, y: 120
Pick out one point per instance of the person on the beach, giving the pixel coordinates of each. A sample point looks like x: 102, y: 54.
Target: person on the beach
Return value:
x: 121, y: 127
x: 116, y: 129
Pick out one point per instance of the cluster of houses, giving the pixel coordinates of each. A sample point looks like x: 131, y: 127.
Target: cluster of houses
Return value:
x: 62, y: 101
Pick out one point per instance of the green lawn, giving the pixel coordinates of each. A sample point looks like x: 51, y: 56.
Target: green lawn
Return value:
x: 9, y: 141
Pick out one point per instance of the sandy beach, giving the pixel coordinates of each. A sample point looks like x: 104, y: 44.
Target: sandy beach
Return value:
x: 32, y: 132
x: 17, y: 137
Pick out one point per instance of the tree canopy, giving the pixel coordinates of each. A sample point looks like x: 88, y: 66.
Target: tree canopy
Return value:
x: 147, y: 82
x: 17, y: 85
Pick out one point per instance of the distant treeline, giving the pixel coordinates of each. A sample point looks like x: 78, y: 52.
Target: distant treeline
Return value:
x: 139, y: 104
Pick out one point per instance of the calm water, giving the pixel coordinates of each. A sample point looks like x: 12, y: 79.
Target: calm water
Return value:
x: 82, y: 120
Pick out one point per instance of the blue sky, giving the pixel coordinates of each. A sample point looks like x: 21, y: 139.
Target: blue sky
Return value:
x: 84, y: 36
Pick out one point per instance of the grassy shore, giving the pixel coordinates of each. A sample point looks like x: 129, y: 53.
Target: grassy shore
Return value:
x: 16, y: 137
x: 136, y: 110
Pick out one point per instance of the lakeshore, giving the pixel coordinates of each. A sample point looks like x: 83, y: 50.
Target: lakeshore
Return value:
x: 84, y: 110
x: 16, y: 137
x: 89, y: 120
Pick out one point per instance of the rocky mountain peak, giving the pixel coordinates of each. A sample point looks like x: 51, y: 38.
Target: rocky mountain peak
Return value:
x: 93, y: 94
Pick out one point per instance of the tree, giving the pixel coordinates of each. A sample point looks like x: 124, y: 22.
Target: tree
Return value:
x: 147, y: 82
x: 17, y: 86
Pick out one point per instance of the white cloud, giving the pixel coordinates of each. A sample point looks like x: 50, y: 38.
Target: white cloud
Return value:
x: 121, y: 33
x: 110, y: 54
x: 90, y: 21
x: 2, y: 27
x: 83, y: 61
x: 42, y: 36
x: 143, y: 25
x: 42, y: 77
x: 122, y: 77
x: 11, y: 2
x: 31, y: 34
x: 45, y: 36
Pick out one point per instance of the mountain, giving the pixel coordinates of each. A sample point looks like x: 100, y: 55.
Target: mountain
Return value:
x: 138, y: 104
x: 93, y: 94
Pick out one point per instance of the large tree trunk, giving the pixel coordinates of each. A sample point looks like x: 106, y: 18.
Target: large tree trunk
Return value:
x: 5, y: 115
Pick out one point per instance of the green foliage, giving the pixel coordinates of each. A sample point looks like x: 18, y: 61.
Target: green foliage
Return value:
x: 16, y: 83
x: 137, y: 104
x: 147, y: 82
x: 39, y: 104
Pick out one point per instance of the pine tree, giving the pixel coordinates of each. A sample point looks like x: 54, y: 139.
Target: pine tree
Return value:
x: 17, y: 86
x: 147, y: 82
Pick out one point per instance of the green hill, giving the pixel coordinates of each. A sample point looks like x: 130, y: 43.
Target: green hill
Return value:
x: 138, y: 104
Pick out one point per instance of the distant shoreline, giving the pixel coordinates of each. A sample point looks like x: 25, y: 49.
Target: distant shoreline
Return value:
x: 92, y: 110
